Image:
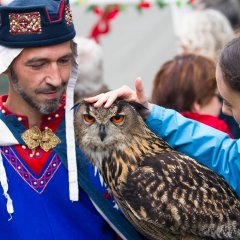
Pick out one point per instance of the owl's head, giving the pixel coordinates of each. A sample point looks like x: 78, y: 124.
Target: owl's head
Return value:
x: 103, y: 129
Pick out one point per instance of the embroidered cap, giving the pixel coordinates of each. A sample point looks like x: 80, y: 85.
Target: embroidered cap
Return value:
x: 35, y: 23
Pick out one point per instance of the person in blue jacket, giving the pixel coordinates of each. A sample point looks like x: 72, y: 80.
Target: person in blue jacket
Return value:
x: 209, y: 146
x: 48, y: 189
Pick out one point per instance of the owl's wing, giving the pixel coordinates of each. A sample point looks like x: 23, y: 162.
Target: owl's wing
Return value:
x: 172, y: 192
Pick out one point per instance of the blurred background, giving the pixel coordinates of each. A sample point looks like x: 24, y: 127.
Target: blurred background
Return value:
x: 138, y: 42
x: 141, y: 36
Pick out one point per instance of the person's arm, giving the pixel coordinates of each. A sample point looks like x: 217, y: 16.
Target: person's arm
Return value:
x: 207, y: 145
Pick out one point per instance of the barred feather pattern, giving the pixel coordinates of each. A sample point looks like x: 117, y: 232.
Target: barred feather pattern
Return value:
x: 163, y: 193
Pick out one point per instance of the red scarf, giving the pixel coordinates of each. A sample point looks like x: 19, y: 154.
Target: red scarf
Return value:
x: 209, y: 120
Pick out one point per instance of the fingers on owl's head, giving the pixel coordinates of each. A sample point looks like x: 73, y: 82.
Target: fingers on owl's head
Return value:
x: 119, y: 106
x: 121, y: 114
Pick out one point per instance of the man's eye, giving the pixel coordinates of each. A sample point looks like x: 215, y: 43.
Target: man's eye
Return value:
x: 37, y: 66
x: 65, y: 61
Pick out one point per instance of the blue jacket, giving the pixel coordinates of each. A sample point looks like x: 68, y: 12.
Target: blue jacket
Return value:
x: 207, y: 145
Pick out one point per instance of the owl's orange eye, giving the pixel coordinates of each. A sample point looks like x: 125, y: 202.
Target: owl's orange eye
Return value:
x: 118, y: 118
x: 88, y: 118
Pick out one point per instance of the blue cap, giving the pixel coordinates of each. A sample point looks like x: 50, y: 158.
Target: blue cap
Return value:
x: 35, y: 23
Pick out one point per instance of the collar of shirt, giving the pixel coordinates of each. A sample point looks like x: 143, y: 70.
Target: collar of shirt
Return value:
x: 48, y: 121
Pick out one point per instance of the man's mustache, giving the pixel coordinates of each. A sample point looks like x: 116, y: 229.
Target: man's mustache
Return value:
x: 50, y: 89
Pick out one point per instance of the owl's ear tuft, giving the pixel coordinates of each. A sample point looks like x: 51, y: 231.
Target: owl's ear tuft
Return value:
x: 74, y: 107
x: 139, y: 108
x: 83, y: 102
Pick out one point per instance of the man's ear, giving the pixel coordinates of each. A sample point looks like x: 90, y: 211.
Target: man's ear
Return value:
x: 8, y: 71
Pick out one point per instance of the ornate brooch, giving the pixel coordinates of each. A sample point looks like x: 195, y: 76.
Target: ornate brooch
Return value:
x: 46, y: 139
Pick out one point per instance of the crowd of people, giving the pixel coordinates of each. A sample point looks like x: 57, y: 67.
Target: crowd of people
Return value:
x: 188, y: 85
x: 48, y: 188
x: 205, y: 33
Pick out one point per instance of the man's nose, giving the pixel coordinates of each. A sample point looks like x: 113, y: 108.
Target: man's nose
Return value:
x: 54, y: 75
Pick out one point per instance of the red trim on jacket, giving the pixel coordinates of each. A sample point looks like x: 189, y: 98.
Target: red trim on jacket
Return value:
x: 37, y: 159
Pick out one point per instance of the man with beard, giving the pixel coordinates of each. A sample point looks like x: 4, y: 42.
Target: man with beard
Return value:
x: 40, y: 168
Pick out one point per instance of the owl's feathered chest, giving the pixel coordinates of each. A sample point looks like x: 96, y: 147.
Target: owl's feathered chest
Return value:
x: 116, y: 165
x: 155, y: 182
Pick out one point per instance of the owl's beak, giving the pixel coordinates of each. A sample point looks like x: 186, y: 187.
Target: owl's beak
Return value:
x: 102, y: 132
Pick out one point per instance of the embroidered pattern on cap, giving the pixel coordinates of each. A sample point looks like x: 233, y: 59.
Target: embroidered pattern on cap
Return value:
x: 68, y: 15
x: 25, y: 23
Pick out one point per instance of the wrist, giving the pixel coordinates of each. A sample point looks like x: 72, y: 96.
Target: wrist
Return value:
x: 147, y: 110
x: 149, y: 107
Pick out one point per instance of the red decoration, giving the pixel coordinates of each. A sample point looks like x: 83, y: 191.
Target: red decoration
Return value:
x: 144, y: 4
x: 103, y: 24
x: 192, y: 2
x: 110, y: 11
x: 98, y: 10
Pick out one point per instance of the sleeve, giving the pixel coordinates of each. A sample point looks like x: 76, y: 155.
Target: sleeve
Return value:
x: 209, y: 146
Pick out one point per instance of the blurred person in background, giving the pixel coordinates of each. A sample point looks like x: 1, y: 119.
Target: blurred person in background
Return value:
x: 188, y: 85
x: 90, y: 75
x: 205, y: 32
x: 229, y: 8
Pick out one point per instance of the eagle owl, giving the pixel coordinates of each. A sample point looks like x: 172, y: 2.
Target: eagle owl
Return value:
x: 163, y: 193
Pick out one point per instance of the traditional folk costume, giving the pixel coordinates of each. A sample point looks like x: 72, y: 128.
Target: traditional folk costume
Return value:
x: 48, y: 188
x: 38, y: 186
